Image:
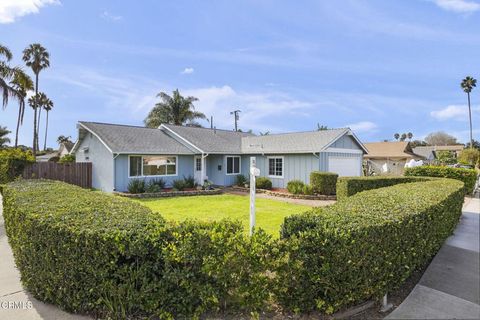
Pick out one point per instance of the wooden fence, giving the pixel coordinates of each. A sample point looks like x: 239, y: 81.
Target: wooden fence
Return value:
x: 79, y: 173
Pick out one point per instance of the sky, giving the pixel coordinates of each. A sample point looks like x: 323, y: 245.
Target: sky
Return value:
x: 378, y: 67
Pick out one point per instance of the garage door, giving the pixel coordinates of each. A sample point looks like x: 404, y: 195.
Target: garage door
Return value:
x: 344, y: 166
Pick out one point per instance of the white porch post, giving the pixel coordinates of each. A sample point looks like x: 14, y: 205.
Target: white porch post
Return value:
x: 203, y: 168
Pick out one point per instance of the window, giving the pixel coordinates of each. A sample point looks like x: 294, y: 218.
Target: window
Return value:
x: 275, y: 167
x: 233, y: 165
x: 198, y: 164
x: 152, y: 166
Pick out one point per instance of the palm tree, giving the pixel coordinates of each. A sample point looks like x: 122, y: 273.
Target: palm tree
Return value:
x: 3, y: 136
x: 37, y: 58
x: 467, y: 85
x: 403, y: 137
x: 22, y: 84
x: 410, y: 136
x: 7, y: 74
x: 396, y: 136
x: 174, y: 109
x: 63, y: 139
x: 47, y: 105
x: 321, y: 127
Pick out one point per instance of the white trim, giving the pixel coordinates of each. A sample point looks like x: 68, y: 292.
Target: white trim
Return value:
x: 181, y: 138
x: 155, y: 176
x: 96, y: 135
x: 283, y: 167
x: 341, y: 150
x: 239, y: 165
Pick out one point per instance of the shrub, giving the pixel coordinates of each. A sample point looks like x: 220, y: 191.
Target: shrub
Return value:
x: 263, y: 183
x: 189, y: 181
x: 470, y: 156
x: 364, y: 246
x: 155, y: 185
x: 468, y: 176
x: 113, y: 258
x: 240, y: 180
x: 348, y: 186
x: 295, y: 186
x: 179, y: 184
x: 136, y: 186
x: 323, y: 182
x: 12, y: 163
x: 68, y: 158
x: 307, y: 190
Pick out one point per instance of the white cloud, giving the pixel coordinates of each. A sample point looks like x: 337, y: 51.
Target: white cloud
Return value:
x: 459, y: 6
x: 363, y: 126
x: 453, y: 112
x: 10, y: 10
x: 188, y: 71
x: 110, y: 17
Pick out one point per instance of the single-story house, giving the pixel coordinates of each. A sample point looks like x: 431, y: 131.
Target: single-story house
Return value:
x: 120, y: 153
x: 389, y: 157
x: 430, y: 152
x: 63, y: 149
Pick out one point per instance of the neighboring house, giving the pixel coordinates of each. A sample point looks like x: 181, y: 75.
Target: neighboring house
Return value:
x: 47, y: 157
x: 64, y: 149
x: 120, y: 153
x: 389, y: 157
x: 430, y: 152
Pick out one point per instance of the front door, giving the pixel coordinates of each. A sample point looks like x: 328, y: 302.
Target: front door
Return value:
x: 197, y: 169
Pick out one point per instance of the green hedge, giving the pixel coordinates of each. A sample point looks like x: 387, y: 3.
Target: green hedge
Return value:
x: 366, y: 245
x: 263, y: 183
x: 348, y: 186
x: 323, y: 182
x: 468, y: 176
x: 295, y: 186
x: 86, y: 251
x: 12, y: 163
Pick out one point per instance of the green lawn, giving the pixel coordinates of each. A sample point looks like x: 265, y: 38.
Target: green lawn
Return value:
x: 269, y: 213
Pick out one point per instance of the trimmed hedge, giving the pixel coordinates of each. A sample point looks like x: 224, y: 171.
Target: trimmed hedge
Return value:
x: 263, y: 183
x: 323, y: 182
x: 89, y: 252
x: 468, y: 176
x: 12, y: 163
x: 366, y: 245
x: 348, y: 186
x: 295, y: 186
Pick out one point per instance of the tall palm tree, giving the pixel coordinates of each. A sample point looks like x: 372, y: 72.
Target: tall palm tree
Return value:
x: 63, y: 139
x: 3, y: 136
x: 174, y: 109
x: 396, y: 136
x: 410, y: 136
x: 467, y: 86
x: 22, y: 84
x: 7, y: 74
x: 47, y: 105
x: 37, y: 58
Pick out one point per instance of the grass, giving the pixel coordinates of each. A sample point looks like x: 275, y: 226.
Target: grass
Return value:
x: 269, y: 213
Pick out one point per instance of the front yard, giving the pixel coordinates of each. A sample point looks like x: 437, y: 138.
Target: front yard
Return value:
x: 269, y: 213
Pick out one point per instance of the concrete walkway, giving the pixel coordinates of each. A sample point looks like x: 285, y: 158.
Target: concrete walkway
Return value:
x: 15, y: 302
x: 305, y: 202
x: 450, y: 287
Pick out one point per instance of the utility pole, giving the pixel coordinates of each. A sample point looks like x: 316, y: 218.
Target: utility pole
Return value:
x: 237, y: 117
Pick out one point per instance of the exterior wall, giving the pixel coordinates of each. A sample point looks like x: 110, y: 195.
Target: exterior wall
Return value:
x: 101, y: 159
x: 395, y: 167
x: 184, y: 168
x: 346, y: 142
x: 220, y: 177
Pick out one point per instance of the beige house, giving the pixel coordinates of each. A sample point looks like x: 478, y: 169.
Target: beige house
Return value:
x: 389, y: 158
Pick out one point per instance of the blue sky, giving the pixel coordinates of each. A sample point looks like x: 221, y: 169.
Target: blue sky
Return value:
x: 379, y: 67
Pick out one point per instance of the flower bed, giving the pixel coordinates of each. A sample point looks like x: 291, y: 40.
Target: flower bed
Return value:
x: 170, y: 193
x: 283, y: 193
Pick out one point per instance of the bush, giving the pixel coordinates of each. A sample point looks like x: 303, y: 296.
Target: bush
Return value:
x: 68, y: 158
x: 295, y: 186
x: 366, y: 245
x: 89, y: 252
x: 240, y: 180
x: 12, y: 163
x: 136, y: 186
x: 323, y: 182
x: 307, y: 190
x: 179, y: 185
x: 155, y: 185
x: 189, y: 181
x: 470, y: 156
x: 263, y: 183
x: 348, y: 186
x: 468, y: 176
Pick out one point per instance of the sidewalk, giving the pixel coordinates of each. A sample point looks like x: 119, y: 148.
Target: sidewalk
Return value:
x: 15, y: 302
x: 450, y: 287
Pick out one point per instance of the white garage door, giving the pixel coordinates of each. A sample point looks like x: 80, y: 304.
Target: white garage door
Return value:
x: 344, y: 166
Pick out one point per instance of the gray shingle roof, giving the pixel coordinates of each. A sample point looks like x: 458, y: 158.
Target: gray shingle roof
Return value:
x: 210, y: 140
x: 296, y: 142
x: 132, y: 139
x: 425, y: 151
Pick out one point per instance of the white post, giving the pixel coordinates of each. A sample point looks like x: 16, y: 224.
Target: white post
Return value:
x: 253, y: 173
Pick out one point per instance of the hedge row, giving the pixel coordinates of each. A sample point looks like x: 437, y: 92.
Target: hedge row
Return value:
x: 323, y: 182
x: 468, y: 176
x: 12, y: 163
x: 89, y: 252
x: 366, y: 245
x: 348, y: 186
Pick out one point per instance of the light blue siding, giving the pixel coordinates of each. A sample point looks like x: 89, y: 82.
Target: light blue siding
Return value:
x: 220, y: 177
x: 101, y: 159
x: 184, y: 168
x: 346, y: 142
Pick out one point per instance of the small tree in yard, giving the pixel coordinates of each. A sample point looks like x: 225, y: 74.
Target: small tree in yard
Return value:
x: 446, y: 157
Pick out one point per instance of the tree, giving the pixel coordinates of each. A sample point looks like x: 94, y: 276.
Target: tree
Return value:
x: 37, y: 58
x: 440, y: 138
x: 3, y: 137
x: 403, y: 137
x: 63, y: 139
x: 321, y: 127
x: 467, y: 85
x: 410, y: 136
x: 475, y: 144
x: 22, y: 84
x: 47, y: 105
x: 470, y: 156
x: 445, y: 157
x: 396, y: 136
x: 174, y: 109
x: 266, y: 133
